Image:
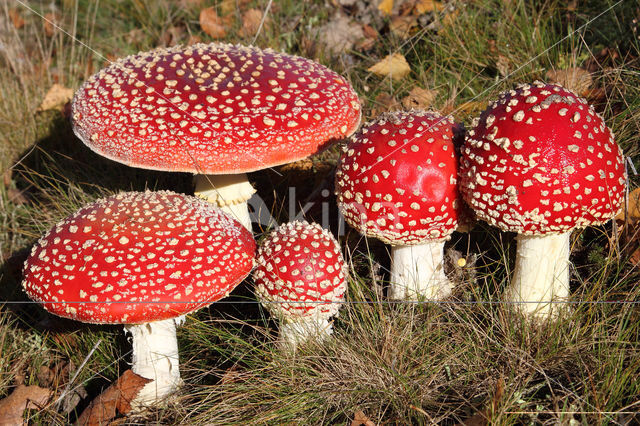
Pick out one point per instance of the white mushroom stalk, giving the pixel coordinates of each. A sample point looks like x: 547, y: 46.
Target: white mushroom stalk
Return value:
x: 540, y: 283
x: 295, y: 332
x: 229, y: 192
x: 155, y: 357
x: 417, y: 272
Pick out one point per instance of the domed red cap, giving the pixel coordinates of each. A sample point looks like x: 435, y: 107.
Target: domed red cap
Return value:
x: 138, y: 257
x: 540, y: 160
x: 396, y: 179
x: 215, y: 108
x: 300, y: 272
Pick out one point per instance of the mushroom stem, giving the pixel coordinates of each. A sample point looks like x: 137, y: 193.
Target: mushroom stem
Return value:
x: 417, y: 272
x: 541, y: 274
x: 229, y: 192
x: 293, y: 333
x: 155, y: 357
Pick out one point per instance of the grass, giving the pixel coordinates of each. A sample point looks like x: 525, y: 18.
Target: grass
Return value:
x: 397, y: 363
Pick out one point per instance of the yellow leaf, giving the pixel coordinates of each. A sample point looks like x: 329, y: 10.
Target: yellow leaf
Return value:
x: 576, y: 79
x: 394, y: 66
x: 385, y: 7
x: 56, y: 97
x: 633, y: 210
x: 424, y: 6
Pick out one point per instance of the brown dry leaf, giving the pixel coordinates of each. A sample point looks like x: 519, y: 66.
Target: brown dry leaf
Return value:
x: 22, y: 398
x: 51, y: 20
x: 385, y: 7
x: 194, y: 39
x: 115, y: 398
x: 56, y: 98
x: 450, y: 18
x: 300, y: 165
x: 419, y: 98
x: 211, y: 23
x: 340, y: 34
x: 465, y: 108
x: 173, y: 35
x: 633, y: 210
x: 503, y: 65
x: 360, y: 419
x: 394, y: 66
x: 401, y: 26
x: 251, y: 20
x: 16, y: 18
x: 635, y: 257
x: 370, y: 38
x: 7, y: 177
x: 385, y: 102
x: 575, y: 79
x: 425, y: 6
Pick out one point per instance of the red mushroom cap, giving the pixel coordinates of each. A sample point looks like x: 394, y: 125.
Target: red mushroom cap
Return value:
x: 396, y: 179
x: 138, y: 257
x: 300, y: 262
x: 540, y: 160
x: 213, y: 108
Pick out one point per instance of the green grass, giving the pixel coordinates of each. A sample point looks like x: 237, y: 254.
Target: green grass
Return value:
x: 399, y: 364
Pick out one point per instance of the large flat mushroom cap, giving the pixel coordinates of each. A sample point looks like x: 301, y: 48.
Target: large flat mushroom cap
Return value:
x: 138, y: 257
x: 213, y: 108
x: 396, y: 179
x: 540, y: 160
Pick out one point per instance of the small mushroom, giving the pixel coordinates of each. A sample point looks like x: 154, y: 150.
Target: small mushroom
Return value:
x: 300, y: 279
x: 396, y: 181
x: 142, y: 260
x: 540, y: 161
x: 216, y: 110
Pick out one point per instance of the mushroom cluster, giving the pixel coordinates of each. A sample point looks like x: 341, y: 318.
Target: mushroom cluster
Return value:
x: 216, y: 110
x: 540, y: 161
x: 300, y: 279
x: 142, y: 260
x: 396, y: 181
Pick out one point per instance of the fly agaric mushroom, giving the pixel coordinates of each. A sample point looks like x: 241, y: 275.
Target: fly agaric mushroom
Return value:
x: 142, y: 260
x: 540, y: 162
x: 300, y: 278
x: 217, y: 110
x: 396, y: 181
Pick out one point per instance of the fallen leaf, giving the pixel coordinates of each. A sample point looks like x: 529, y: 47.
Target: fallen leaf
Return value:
x: 300, y: 165
x: 173, y: 35
x: 45, y: 375
x: 419, y: 98
x: 360, y: 419
x: 384, y: 102
x: 385, y: 7
x: 51, y: 21
x: 22, y: 398
x: 425, y: 6
x: 56, y: 98
x: 635, y: 257
x: 394, y: 66
x: 401, y: 26
x: 633, y: 208
x: 503, y: 65
x: 251, y: 20
x: 340, y: 34
x: 575, y: 79
x: 194, y: 39
x: 115, y: 399
x: 450, y: 18
x: 370, y: 38
x: 465, y: 108
x: 16, y: 18
x: 211, y: 23
x: 7, y: 177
